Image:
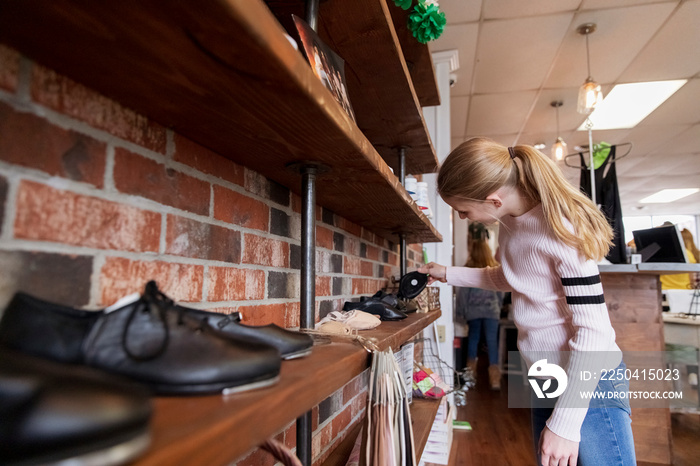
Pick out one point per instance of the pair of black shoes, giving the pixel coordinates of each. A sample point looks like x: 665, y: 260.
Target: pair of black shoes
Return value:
x: 389, y: 306
x: 172, y: 349
x: 53, y: 413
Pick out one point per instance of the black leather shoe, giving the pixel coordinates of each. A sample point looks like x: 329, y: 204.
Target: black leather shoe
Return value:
x: 376, y: 307
x: 55, y: 413
x: 143, y: 338
x: 290, y: 344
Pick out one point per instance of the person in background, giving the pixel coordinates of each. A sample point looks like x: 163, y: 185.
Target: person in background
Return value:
x: 682, y: 281
x: 692, y: 250
x: 481, y: 309
x: 550, y: 237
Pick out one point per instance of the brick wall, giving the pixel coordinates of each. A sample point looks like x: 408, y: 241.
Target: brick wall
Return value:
x: 96, y: 199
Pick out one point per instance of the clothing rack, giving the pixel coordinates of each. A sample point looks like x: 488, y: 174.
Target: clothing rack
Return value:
x: 617, y: 156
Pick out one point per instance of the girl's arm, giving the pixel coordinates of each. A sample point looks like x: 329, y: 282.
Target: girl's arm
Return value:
x: 489, y: 278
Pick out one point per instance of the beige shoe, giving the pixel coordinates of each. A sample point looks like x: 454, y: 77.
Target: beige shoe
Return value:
x: 495, y: 377
x: 471, y: 365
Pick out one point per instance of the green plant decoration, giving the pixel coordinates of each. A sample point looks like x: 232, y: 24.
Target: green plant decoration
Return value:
x: 403, y: 4
x: 427, y: 21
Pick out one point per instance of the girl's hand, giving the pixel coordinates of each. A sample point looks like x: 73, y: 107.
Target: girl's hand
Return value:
x: 437, y: 272
x: 556, y: 450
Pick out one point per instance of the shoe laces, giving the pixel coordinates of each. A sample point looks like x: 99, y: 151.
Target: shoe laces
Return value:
x: 156, y: 303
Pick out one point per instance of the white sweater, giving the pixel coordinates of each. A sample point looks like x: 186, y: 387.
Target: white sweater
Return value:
x: 558, y: 305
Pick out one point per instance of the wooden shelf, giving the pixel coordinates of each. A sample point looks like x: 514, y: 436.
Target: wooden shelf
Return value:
x: 216, y: 429
x: 418, y: 59
x: 223, y: 74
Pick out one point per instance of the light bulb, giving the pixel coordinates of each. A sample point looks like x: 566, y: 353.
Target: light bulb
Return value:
x: 559, y: 149
x: 589, y: 95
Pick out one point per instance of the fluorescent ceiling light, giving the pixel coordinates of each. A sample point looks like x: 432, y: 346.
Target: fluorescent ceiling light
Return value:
x: 668, y: 195
x: 628, y: 104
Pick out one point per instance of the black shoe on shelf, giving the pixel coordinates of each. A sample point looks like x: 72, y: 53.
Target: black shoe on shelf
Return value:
x: 55, y: 413
x: 290, y: 344
x: 143, y: 338
x: 377, y: 307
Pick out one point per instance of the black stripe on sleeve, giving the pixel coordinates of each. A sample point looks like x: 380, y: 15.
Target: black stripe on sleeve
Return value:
x: 594, y: 299
x: 581, y: 281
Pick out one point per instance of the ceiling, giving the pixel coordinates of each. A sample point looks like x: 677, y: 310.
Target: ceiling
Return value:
x: 516, y: 57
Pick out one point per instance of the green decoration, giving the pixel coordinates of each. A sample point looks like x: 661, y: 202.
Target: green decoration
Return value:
x: 600, y: 153
x: 427, y: 21
x: 403, y: 4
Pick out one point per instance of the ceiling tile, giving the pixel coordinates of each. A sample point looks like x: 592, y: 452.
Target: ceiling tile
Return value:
x: 505, y: 65
x: 673, y: 52
x: 484, y: 121
x: 463, y: 38
x: 459, y: 11
x: 620, y: 35
x: 681, y: 108
x: 499, y: 9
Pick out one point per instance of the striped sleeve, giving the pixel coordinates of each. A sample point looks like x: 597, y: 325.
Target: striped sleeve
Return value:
x: 488, y: 278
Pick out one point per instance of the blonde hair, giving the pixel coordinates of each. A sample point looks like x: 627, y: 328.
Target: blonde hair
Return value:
x: 689, y: 243
x: 480, y: 255
x: 479, y: 167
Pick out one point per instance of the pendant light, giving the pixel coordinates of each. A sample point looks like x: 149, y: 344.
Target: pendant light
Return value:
x: 559, y: 147
x: 589, y: 95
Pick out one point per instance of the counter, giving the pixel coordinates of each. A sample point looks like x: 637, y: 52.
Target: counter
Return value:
x: 633, y: 296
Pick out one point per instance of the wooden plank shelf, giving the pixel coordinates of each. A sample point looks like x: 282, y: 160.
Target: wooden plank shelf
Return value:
x: 418, y: 59
x: 215, y: 430
x: 222, y: 73
x: 380, y: 79
x: 423, y: 413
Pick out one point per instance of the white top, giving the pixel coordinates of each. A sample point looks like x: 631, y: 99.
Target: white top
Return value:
x: 558, y: 305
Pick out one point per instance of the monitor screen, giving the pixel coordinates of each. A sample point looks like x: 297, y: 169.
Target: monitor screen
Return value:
x: 660, y: 244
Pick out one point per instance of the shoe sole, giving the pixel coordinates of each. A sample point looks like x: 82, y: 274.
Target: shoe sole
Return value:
x: 251, y: 386
x: 224, y: 388
x: 298, y: 354
x: 114, y: 455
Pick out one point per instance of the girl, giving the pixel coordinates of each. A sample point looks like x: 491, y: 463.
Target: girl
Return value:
x: 550, y: 237
x: 481, y: 309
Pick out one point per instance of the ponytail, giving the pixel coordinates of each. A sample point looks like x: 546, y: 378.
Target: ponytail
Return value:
x: 479, y: 167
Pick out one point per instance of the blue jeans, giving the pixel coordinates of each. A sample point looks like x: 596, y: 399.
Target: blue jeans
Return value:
x: 606, y: 433
x: 490, y: 333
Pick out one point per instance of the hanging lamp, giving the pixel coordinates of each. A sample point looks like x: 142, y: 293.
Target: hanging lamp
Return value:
x: 559, y: 147
x: 589, y: 94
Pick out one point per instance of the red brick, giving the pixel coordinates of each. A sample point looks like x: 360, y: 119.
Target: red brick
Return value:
x: 70, y: 98
x: 239, y: 209
x: 367, y: 235
x: 230, y: 284
x: 314, y: 418
x: 258, y: 458
x: 324, y: 237
x: 352, y: 388
x: 31, y: 141
x: 348, y: 226
x: 296, y: 203
x: 293, y: 315
x: 206, y: 161
x: 323, y: 286
x: 393, y: 259
x: 359, y: 404
x: 120, y: 277
x: 264, y: 314
x: 49, y: 214
x: 364, y: 286
x: 190, y: 238
x: 372, y: 253
x: 352, y: 266
x: 367, y: 269
x: 290, y: 436
x: 341, y: 421
x: 137, y: 175
x: 9, y: 68
x: 265, y: 251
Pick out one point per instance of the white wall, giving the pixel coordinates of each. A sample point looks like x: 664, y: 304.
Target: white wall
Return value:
x: 438, y: 122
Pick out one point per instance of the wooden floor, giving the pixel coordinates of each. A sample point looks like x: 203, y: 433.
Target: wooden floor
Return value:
x: 502, y: 437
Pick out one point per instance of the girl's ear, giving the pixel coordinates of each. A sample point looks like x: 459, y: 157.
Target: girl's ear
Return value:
x: 495, y: 199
